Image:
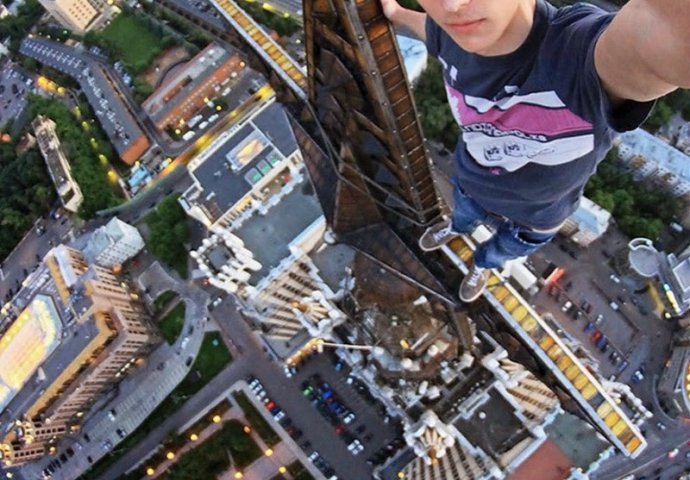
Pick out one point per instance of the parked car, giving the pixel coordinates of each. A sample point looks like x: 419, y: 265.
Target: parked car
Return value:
x: 636, y: 377
x: 596, y: 336
x: 567, y: 306
x: 588, y: 328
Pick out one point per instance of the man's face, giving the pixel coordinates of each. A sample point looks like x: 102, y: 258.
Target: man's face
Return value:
x: 484, y: 27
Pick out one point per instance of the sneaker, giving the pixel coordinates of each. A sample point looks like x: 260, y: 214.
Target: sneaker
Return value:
x: 437, y: 236
x: 473, y: 284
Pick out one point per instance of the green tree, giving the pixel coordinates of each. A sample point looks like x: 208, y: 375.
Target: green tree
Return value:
x: 437, y: 120
x: 660, y: 116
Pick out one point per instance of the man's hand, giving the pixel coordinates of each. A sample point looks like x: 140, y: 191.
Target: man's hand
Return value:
x: 413, y: 22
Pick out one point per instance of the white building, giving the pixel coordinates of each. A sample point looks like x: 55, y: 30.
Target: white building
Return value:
x: 113, y: 244
x: 589, y: 222
x: 246, y: 169
x: 654, y: 160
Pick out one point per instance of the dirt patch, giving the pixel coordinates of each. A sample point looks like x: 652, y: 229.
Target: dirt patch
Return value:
x: 162, y: 63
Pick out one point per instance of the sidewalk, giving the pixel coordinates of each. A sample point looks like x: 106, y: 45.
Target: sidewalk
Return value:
x: 264, y: 467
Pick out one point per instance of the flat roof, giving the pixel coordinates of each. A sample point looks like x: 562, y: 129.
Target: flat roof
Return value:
x: 332, y: 261
x: 197, y: 70
x: 269, y: 235
x: 654, y: 149
x: 548, y: 460
x: 112, y: 113
x: 498, y: 430
x: 262, y: 141
x: 682, y: 273
x: 25, y: 345
x: 203, y: 10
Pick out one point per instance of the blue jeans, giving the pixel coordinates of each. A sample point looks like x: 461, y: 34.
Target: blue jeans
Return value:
x: 509, y: 240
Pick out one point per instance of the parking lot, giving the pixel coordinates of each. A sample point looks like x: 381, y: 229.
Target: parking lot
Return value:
x: 345, y: 431
x: 605, y: 311
x: 13, y: 88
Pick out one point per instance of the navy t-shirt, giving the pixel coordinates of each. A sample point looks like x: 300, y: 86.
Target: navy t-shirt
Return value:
x: 536, y: 122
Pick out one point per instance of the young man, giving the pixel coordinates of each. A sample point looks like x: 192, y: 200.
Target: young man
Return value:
x: 539, y: 93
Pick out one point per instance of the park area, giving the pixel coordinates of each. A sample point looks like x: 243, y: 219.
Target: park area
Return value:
x: 119, y: 36
x: 171, y: 325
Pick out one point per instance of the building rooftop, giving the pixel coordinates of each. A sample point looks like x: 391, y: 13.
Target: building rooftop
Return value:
x: 643, y: 257
x: 110, y: 233
x: 591, y: 217
x: 493, y: 426
x: 202, y: 9
x: 79, y: 336
x: 58, y: 166
x: 231, y: 171
x: 652, y: 148
x: 548, y: 460
x: 25, y: 345
x: 186, y: 80
x: 332, y: 260
x: 112, y: 113
x: 682, y: 273
x: 268, y: 236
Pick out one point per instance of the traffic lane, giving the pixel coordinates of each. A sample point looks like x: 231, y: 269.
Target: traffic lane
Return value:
x: 617, y: 466
x: 30, y: 251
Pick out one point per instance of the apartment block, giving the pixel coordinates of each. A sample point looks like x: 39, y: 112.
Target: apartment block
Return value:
x: 81, y: 331
x: 59, y: 169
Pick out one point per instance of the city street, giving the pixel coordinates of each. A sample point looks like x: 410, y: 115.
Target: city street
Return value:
x: 29, y: 252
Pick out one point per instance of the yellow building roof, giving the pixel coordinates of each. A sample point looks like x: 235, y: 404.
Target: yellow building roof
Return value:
x: 31, y: 338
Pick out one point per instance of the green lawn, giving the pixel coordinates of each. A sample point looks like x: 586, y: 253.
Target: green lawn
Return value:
x: 254, y: 417
x: 212, y: 358
x: 163, y: 300
x: 171, y: 325
x: 134, y: 41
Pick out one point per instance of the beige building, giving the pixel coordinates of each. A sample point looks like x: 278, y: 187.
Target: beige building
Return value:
x: 67, y: 188
x: 80, y: 16
x: 103, y: 329
x: 589, y: 222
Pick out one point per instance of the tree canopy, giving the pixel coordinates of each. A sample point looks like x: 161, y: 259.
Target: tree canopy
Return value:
x: 86, y: 167
x: 638, y: 210
x: 169, y: 232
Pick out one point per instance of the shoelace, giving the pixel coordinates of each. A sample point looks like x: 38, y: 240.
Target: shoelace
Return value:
x: 475, y: 275
x: 441, y: 234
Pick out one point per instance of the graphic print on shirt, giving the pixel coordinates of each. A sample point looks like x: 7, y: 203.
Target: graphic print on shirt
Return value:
x: 509, y: 133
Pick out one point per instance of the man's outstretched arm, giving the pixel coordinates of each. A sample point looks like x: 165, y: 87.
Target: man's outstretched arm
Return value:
x: 415, y: 22
x: 645, y: 51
